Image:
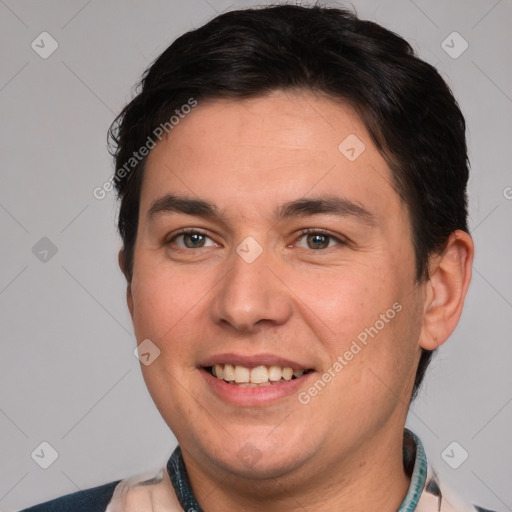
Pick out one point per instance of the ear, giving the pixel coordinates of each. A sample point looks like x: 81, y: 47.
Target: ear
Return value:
x: 450, y: 275
x: 122, y: 266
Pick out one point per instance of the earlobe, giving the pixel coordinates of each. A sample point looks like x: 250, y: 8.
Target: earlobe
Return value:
x: 120, y: 260
x: 129, y: 297
x: 450, y: 275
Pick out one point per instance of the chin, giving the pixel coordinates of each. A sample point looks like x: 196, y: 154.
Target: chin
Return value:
x: 251, y: 463
x: 257, y: 455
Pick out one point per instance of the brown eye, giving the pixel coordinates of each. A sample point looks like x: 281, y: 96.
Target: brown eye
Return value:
x: 192, y: 240
x: 317, y: 240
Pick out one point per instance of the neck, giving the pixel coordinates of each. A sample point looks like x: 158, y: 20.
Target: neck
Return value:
x: 371, y: 478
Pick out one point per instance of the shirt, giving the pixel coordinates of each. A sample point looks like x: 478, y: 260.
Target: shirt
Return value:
x: 170, y: 490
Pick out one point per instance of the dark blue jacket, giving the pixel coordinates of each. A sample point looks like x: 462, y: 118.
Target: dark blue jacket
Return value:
x: 89, y: 500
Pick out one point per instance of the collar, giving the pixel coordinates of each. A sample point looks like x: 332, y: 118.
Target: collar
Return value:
x: 415, y: 458
x: 179, y: 478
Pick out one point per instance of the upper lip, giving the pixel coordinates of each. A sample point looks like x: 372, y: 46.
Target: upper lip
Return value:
x: 251, y: 361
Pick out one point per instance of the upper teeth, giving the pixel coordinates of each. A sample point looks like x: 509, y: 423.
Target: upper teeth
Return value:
x: 257, y: 375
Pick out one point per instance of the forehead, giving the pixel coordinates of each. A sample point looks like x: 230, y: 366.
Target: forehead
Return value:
x: 247, y: 154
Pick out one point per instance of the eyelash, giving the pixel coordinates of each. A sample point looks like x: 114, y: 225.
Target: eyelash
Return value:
x: 302, y: 233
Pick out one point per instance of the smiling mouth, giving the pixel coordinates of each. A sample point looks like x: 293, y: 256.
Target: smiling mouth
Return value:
x: 255, y: 377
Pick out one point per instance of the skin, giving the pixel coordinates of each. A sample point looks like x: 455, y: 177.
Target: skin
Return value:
x: 301, y: 300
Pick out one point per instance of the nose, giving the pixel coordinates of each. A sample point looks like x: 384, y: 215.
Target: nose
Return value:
x: 251, y: 295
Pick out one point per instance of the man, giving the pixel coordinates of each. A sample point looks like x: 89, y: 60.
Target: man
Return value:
x: 293, y: 214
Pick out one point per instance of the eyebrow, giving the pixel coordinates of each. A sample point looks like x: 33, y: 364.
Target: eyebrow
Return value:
x: 330, y: 205
x: 172, y: 203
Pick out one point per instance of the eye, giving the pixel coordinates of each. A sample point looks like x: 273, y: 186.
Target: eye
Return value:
x: 317, y: 240
x: 191, y: 240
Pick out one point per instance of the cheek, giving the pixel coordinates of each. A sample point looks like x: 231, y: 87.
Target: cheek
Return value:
x: 369, y: 318
x: 165, y: 312
x: 163, y: 300
x: 373, y: 369
x: 384, y: 368
x: 346, y: 300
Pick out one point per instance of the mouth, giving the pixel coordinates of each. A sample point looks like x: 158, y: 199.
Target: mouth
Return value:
x: 254, y: 380
x: 256, y: 376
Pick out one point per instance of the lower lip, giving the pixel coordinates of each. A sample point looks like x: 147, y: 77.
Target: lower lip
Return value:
x: 253, y: 396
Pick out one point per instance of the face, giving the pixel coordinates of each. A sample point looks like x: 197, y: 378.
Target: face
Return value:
x: 274, y: 270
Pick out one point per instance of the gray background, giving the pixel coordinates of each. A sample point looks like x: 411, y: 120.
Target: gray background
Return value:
x: 69, y: 376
